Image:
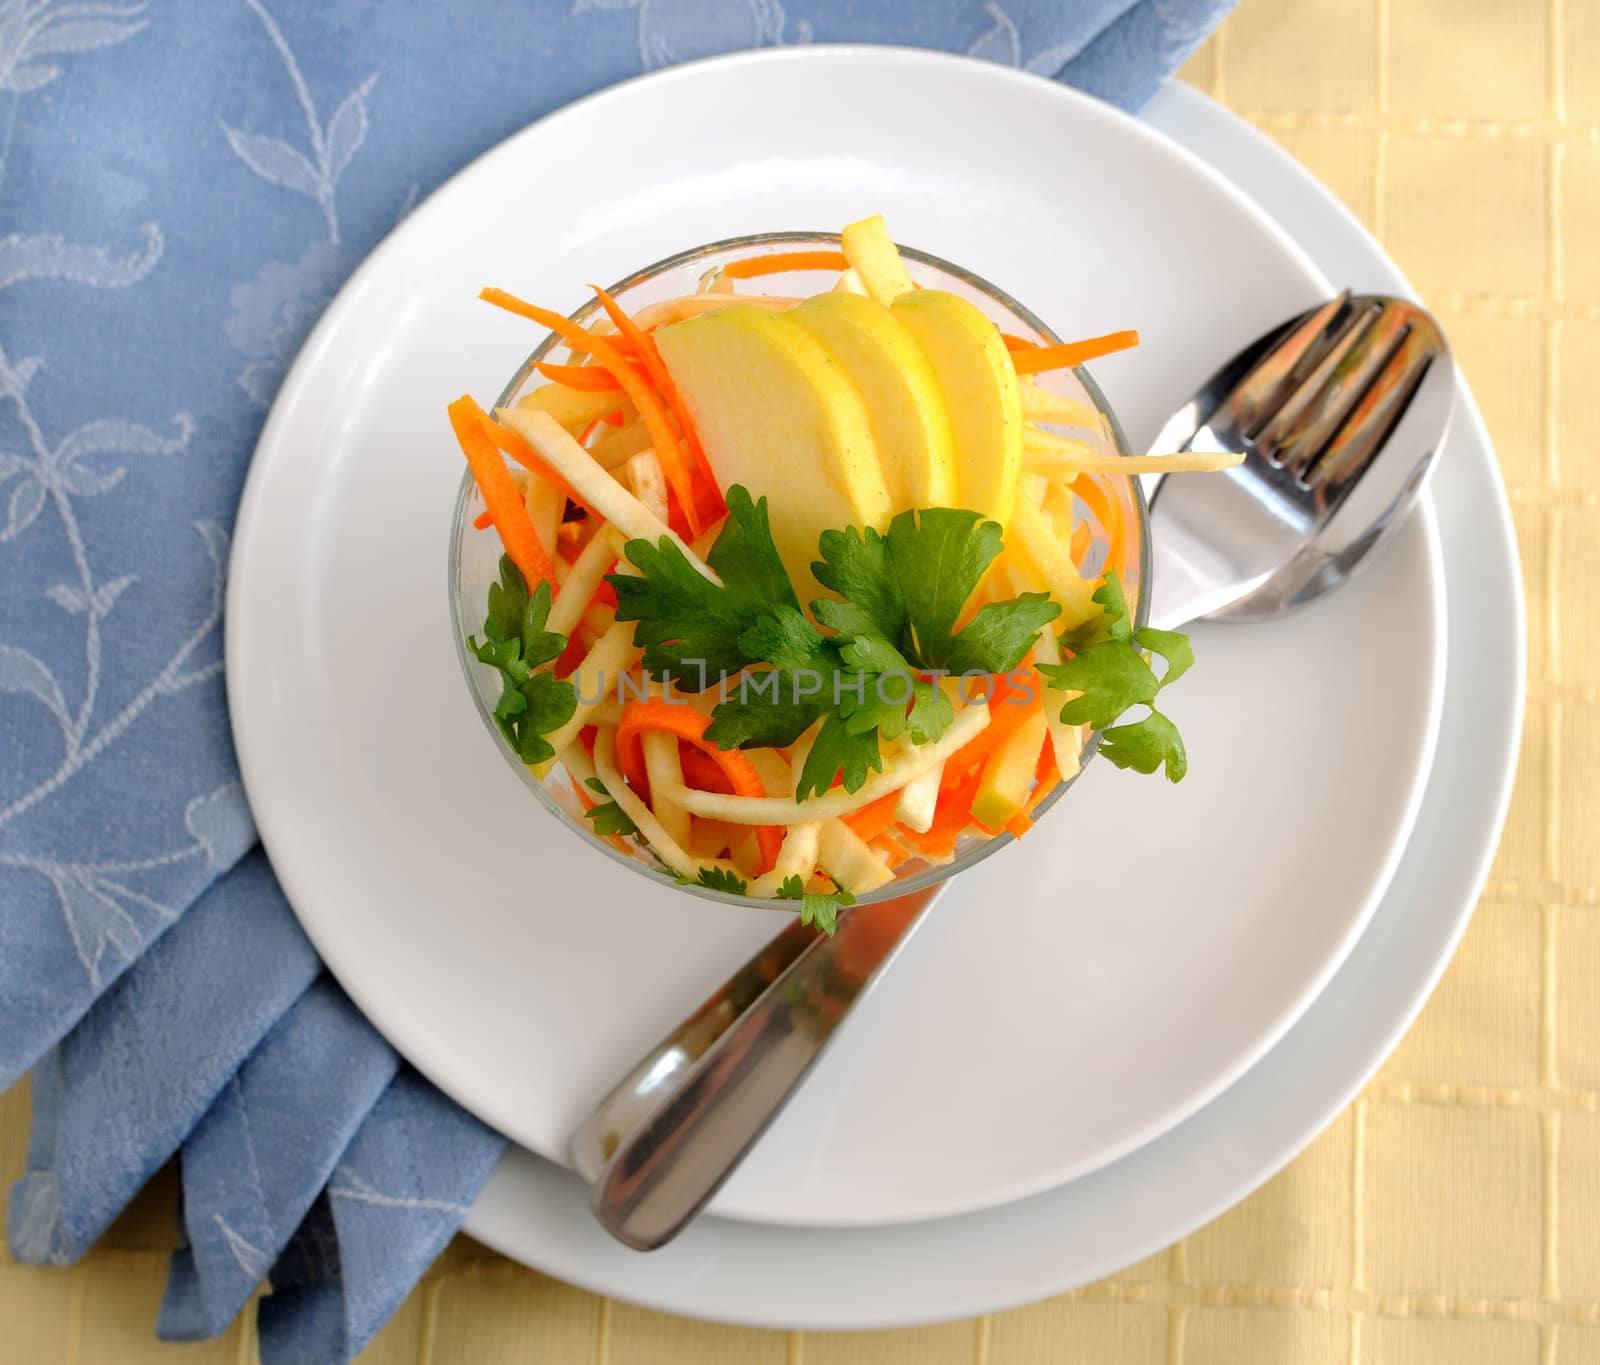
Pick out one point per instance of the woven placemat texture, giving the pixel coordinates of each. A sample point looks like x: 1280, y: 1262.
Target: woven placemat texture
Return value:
x: 1452, y: 1214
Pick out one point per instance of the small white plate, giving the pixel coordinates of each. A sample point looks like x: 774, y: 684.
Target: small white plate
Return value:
x: 955, y: 1267
x: 1070, y: 999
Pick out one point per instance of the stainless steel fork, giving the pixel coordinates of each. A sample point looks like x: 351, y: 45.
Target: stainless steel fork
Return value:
x: 1310, y: 405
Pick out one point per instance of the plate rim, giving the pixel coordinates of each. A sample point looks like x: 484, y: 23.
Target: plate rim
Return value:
x: 523, y: 1174
x: 281, y: 415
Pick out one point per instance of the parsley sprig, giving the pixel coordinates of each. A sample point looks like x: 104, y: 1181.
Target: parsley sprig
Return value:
x: 515, y: 642
x: 608, y: 816
x: 1110, y: 674
x: 818, y: 908
x: 899, y: 596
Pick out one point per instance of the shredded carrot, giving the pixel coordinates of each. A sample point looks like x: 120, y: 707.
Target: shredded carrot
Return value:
x: 1034, y: 359
x: 612, y: 419
x: 570, y: 658
x: 1103, y: 504
x: 951, y: 814
x: 584, y: 378
x: 500, y: 492
x: 872, y: 819
x: 1019, y: 824
x: 1082, y: 539
x: 483, y: 521
x: 1016, y: 343
x: 525, y: 455
x: 1046, y: 776
x: 656, y: 368
x: 782, y: 261
x: 893, y: 850
x: 605, y: 350
x: 688, y: 724
x: 701, y: 773
x: 1009, y: 705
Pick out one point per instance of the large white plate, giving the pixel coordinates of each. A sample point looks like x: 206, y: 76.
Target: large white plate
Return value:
x: 1070, y: 999
x: 886, y: 1277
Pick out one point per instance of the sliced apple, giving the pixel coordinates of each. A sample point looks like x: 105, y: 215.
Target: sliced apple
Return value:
x: 980, y: 391
x: 1008, y: 775
x: 776, y: 414
x: 876, y: 259
x: 909, y: 422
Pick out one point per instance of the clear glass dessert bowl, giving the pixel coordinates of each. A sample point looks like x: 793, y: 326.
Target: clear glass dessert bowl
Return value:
x: 474, y: 554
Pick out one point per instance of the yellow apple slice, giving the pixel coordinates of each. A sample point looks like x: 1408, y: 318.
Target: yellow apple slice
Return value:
x: 1008, y: 775
x: 909, y: 422
x: 775, y: 414
x: 980, y: 392
x: 876, y: 260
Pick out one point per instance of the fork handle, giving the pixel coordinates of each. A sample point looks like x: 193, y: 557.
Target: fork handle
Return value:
x: 682, y: 1151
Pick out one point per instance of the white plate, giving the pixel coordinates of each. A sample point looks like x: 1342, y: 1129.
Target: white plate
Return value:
x: 1070, y: 999
x: 888, y: 1277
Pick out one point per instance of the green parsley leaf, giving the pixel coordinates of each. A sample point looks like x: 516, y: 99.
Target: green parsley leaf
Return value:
x: 507, y: 600
x: 837, y: 752
x: 939, y: 556
x: 1113, y: 623
x: 550, y: 704
x: 718, y: 879
x: 1171, y: 645
x: 689, y: 626
x: 539, y: 646
x: 1147, y: 745
x: 1001, y: 633
x: 1111, y: 675
x: 906, y: 590
x: 745, y: 556
x: 531, y: 704
x: 784, y: 638
x: 891, y: 703
x: 610, y: 818
x: 595, y: 785
x: 855, y: 564
x: 820, y: 909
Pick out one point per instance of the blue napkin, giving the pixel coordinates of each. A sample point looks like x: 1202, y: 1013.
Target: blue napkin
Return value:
x: 182, y: 189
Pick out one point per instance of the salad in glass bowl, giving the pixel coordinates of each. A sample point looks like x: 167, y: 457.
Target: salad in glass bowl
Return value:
x: 807, y: 596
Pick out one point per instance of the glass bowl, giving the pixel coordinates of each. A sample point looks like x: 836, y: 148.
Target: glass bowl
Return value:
x: 475, y: 555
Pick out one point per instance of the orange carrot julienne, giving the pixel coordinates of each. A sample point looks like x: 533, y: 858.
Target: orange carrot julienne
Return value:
x: 1016, y: 343
x: 701, y: 773
x: 483, y: 521
x: 1046, y: 775
x: 873, y: 818
x: 688, y: 724
x: 500, y: 492
x: 525, y: 455
x: 780, y: 262
x: 609, y: 354
x: 656, y: 368
x: 952, y: 813
x: 1011, y: 704
x: 893, y: 850
x: 584, y: 378
x: 1082, y: 539
x: 1019, y: 824
x: 1104, y: 506
x: 1034, y: 359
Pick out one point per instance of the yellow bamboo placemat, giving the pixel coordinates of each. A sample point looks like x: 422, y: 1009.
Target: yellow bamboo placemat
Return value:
x: 1452, y: 1214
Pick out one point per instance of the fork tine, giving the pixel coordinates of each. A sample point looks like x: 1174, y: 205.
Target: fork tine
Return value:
x: 1347, y: 381
x: 1261, y: 392
x: 1375, y: 415
x: 1277, y: 439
